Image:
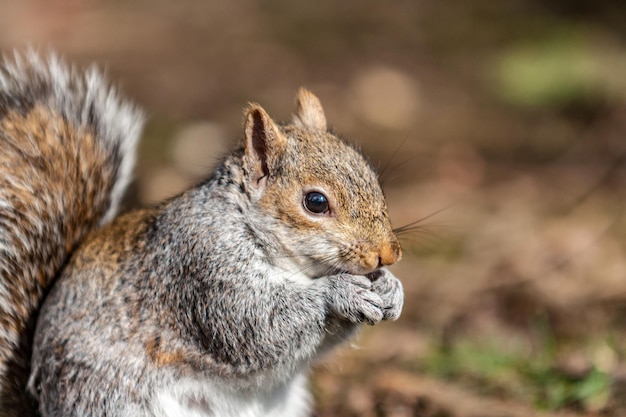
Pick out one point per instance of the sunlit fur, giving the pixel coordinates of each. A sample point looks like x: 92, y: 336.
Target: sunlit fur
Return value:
x: 217, y: 301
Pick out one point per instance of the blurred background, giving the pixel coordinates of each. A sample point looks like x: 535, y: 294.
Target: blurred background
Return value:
x: 498, y: 126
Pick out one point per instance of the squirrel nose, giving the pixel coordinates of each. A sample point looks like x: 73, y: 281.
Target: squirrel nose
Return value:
x: 390, y: 254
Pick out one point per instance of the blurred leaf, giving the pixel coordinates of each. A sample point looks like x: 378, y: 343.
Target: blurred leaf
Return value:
x: 594, y: 390
x: 559, y: 71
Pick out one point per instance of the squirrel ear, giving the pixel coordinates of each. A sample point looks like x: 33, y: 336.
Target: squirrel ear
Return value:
x: 263, y: 142
x: 309, y: 112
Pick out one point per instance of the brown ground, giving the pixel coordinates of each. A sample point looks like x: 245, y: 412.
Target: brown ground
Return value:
x: 504, y: 121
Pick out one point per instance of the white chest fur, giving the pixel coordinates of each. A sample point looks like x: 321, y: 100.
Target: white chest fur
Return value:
x: 207, y: 398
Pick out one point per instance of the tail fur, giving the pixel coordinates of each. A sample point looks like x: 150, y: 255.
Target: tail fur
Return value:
x: 67, y: 146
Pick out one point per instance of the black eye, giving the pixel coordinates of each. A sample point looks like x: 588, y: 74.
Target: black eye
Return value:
x: 316, y: 202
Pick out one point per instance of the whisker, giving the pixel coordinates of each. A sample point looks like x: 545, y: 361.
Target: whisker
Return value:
x: 383, y: 171
x: 417, y: 223
x: 422, y: 228
x: 420, y: 233
x: 427, y: 239
x: 308, y: 255
x: 393, y: 170
x: 331, y: 261
x: 326, y: 262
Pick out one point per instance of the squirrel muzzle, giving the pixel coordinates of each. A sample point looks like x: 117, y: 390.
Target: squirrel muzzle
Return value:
x: 389, y: 254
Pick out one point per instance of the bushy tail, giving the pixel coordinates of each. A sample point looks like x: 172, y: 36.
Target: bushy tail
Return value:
x: 67, y: 146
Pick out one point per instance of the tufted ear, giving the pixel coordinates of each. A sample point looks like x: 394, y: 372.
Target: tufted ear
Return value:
x: 309, y: 112
x: 263, y: 144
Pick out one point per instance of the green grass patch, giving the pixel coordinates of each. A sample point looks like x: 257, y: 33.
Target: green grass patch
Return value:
x: 531, y: 378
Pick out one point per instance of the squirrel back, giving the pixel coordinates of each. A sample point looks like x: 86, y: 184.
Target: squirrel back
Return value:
x: 67, y: 146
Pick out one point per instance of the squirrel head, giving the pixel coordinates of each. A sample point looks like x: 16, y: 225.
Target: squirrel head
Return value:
x: 320, y: 191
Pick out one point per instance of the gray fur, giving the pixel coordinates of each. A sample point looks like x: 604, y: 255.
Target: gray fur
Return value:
x: 243, y: 324
x: 213, y: 303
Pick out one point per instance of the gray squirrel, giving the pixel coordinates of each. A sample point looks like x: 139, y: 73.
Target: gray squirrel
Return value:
x: 215, y: 302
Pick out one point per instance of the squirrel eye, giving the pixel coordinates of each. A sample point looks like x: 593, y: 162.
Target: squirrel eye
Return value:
x: 316, y: 202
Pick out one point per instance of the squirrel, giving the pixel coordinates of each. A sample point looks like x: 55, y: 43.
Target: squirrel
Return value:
x: 215, y: 302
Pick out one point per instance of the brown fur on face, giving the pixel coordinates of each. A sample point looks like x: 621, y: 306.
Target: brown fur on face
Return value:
x: 356, y: 236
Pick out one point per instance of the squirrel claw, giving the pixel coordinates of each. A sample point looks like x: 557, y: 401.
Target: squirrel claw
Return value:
x: 389, y: 288
x: 352, y: 297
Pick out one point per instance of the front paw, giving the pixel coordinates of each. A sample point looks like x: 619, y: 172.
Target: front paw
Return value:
x: 351, y: 297
x: 389, y: 288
